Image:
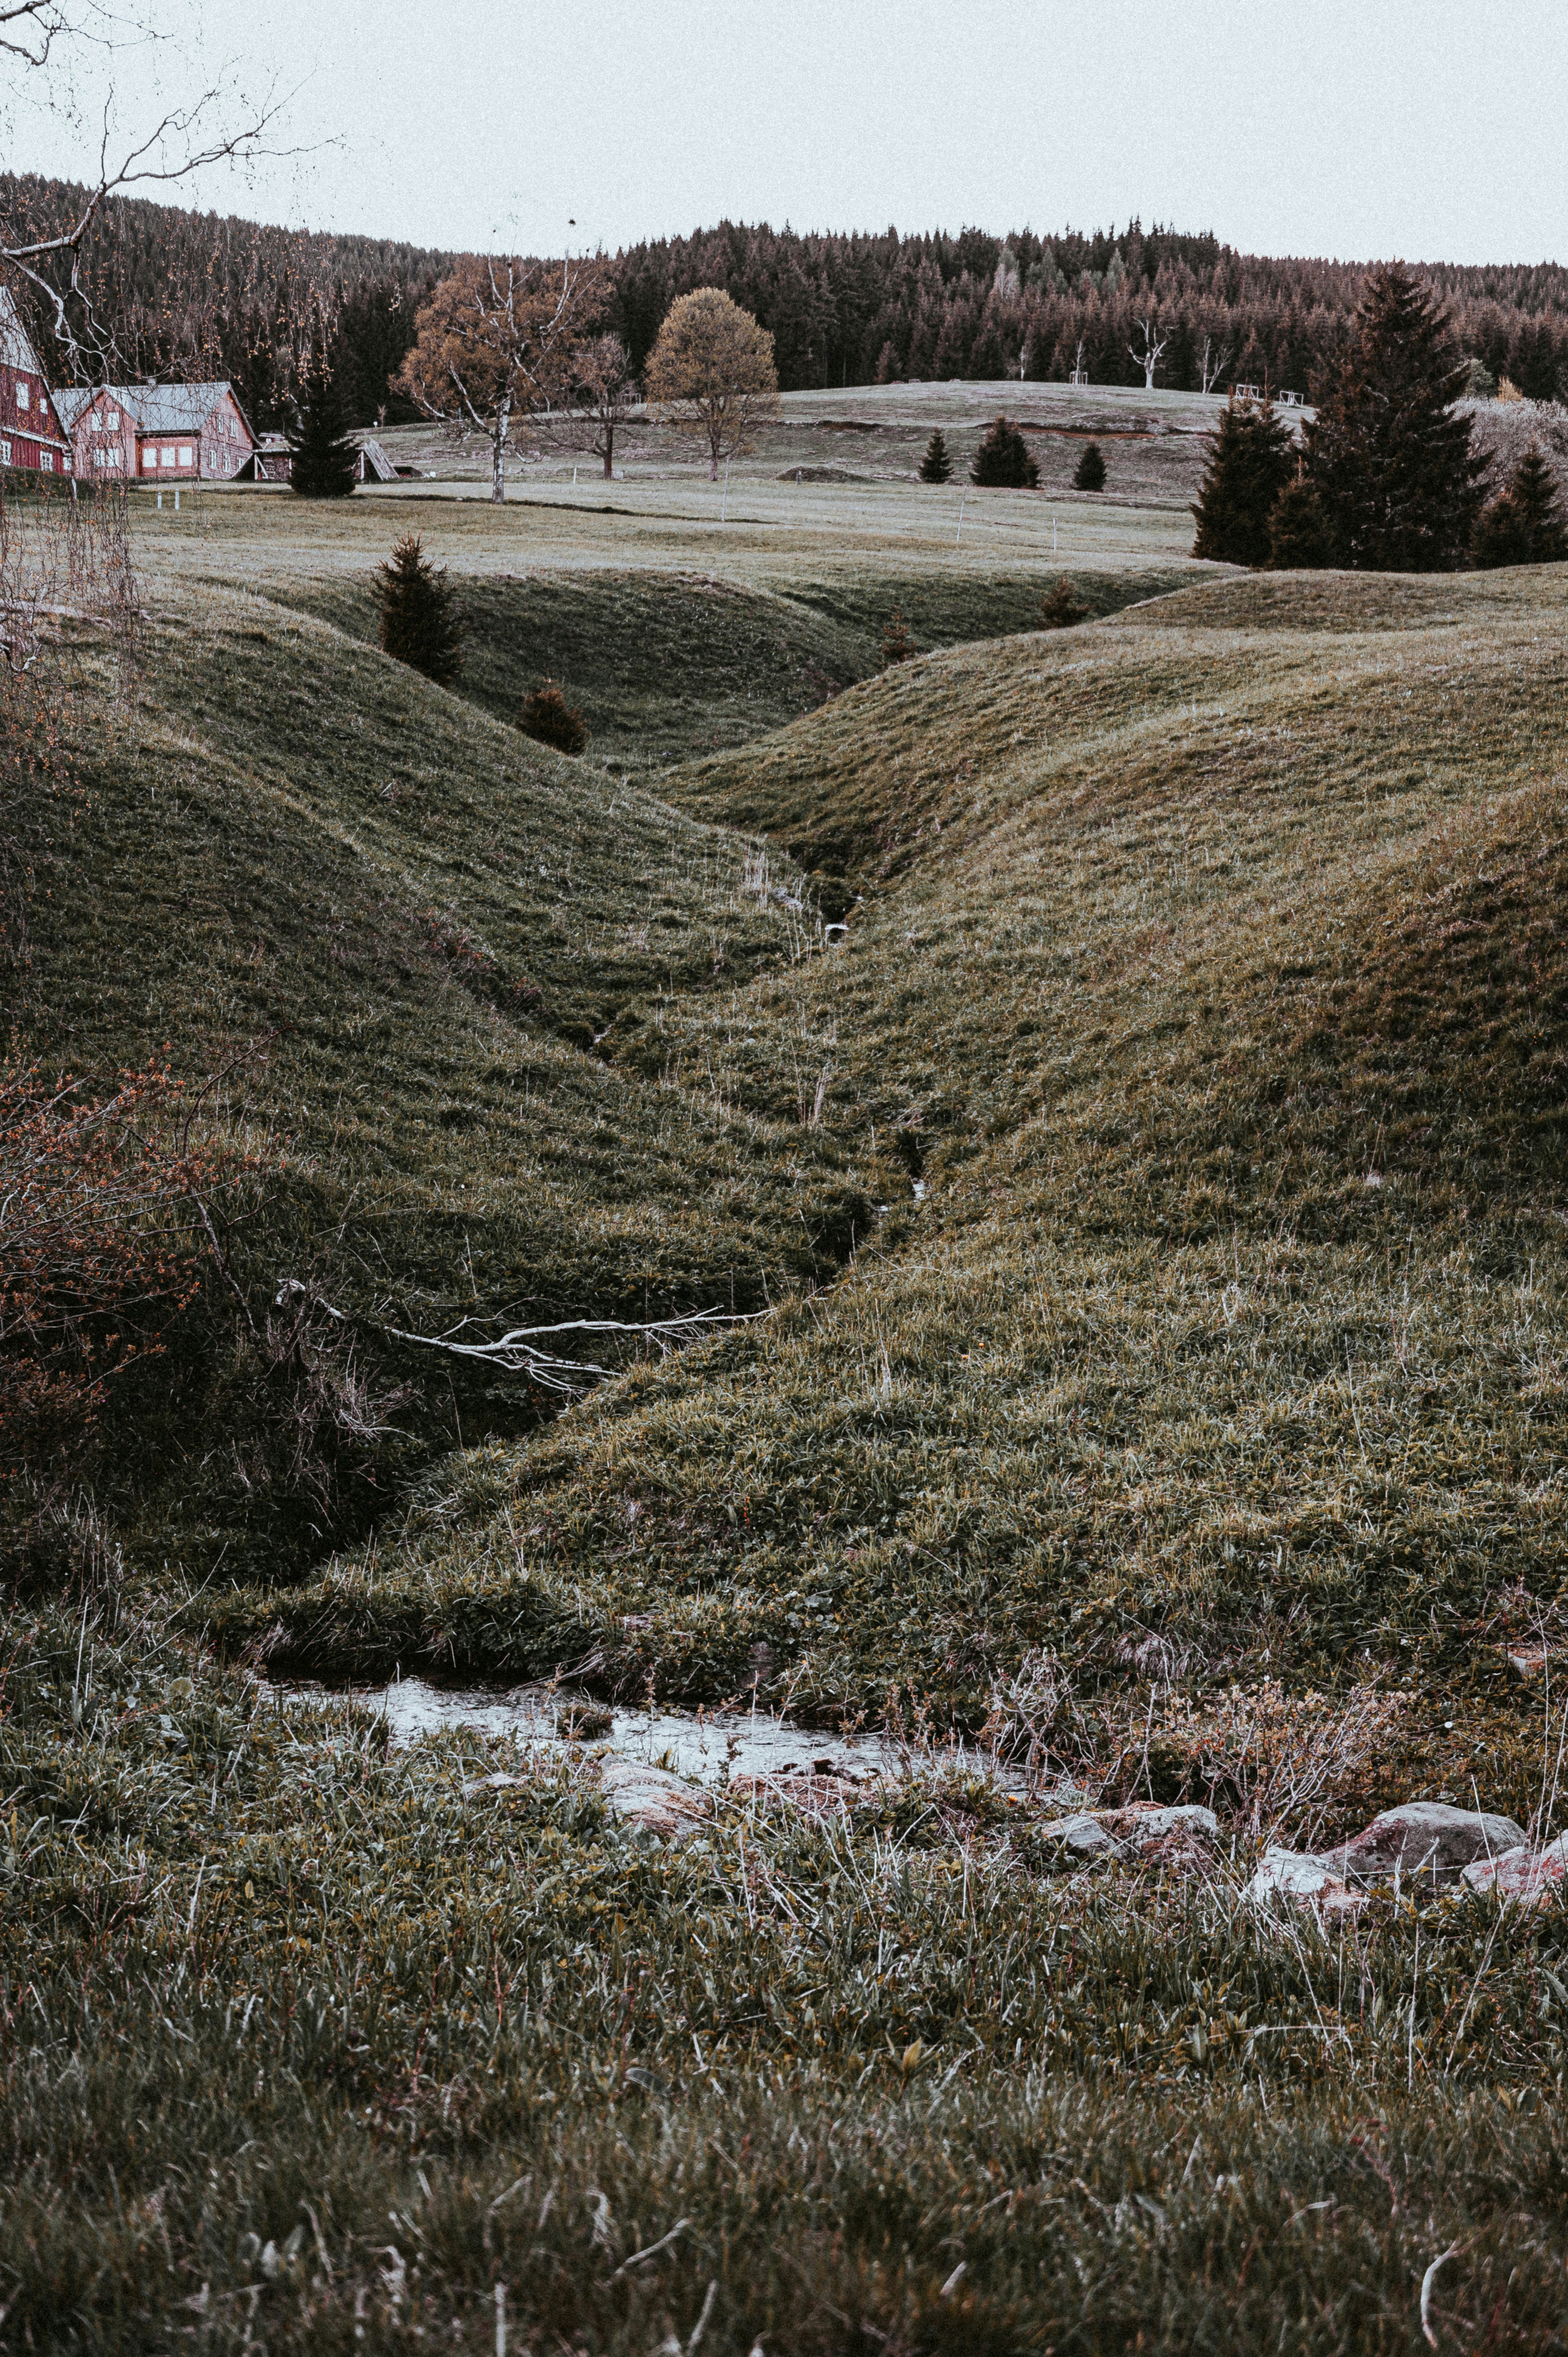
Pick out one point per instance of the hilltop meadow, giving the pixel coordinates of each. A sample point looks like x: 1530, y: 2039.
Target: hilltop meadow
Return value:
x: 1108, y: 1085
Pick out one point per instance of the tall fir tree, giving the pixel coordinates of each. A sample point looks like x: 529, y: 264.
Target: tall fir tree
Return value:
x: 1088, y: 475
x: 322, y: 456
x: 1524, y: 525
x: 1003, y: 461
x: 418, y: 626
x: 1387, y: 453
x: 1251, y: 458
x: 936, y: 467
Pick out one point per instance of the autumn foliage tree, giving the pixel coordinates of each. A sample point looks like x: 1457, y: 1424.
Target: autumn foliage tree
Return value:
x: 499, y: 341
x: 604, y: 395
x: 711, y: 374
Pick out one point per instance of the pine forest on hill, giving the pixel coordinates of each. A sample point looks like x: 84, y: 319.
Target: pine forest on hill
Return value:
x: 240, y: 299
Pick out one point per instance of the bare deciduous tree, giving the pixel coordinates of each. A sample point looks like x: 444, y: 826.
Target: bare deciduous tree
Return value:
x: 604, y: 397
x: 1148, y: 359
x: 1216, y: 360
x: 712, y: 373
x: 45, y: 45
x: 497, y: 340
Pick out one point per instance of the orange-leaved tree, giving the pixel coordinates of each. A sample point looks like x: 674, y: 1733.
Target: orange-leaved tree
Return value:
x: 712, y: 373
x: 497, y: 340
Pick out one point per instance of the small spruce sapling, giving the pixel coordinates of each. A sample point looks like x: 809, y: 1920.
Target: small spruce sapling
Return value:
x: 547, y: 716
x: 1003, y: 461
x: 936, y: 467
x: 418, y: 625
x: 896, y: 646
x: 1088, y: 475
x: 1298, y: 530
x: 1524, y: 525
x: 1060, y: 608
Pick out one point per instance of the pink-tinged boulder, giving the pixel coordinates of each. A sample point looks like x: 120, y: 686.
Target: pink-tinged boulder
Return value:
x: 1287, y: 1874
x: 1530, y: 1876
x: 1423, y: 1840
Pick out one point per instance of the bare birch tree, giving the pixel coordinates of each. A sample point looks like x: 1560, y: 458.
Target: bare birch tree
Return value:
x: 1148, y: 359
x: 1216, y: 360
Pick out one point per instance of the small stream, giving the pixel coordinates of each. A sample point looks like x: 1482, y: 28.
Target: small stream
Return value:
x: 711, y: 1747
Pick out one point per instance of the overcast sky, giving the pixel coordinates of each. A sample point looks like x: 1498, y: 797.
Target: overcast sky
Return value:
x: 1431, y: 129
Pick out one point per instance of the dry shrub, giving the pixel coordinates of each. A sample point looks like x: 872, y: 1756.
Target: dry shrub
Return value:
x: 99, y: 1247
x: 1277, y: 1764
x: 1502, y: 431
x: 1038, y: 1725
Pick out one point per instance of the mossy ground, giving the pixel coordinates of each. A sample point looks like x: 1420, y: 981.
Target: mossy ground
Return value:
x: 1206, y: 969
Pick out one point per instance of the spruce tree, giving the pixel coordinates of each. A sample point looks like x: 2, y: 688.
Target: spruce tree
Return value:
x: 1002, y: 460
x: 896, y: 643
x: 1088, y: 475
x: 323, y: 459
x: 1251, y: 458
x: 1386, y: 452
x: 936, y: 467
x: 417, y: 622
x: 547, y: 716
x: 1298, y: 529
x: 1524, y: 525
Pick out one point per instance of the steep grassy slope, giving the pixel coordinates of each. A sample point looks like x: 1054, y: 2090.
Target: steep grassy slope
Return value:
x: 1139, y: 1419
x: 1224, y: 1017
x: 396, y: 929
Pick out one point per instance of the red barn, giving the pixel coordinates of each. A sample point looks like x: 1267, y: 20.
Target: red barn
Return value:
x: 30, y: 431
x: 177, y: 433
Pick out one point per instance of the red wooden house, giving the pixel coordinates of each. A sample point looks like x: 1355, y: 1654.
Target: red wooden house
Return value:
x: 174, y: 433
x: 31, y: 434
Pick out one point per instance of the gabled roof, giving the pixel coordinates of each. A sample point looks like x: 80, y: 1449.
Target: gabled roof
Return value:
x: 16, y: 344
x: 156, y: 408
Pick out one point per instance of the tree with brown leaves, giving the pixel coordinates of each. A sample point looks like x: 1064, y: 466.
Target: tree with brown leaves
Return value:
x: 499, y: 341
x: 712, y: 373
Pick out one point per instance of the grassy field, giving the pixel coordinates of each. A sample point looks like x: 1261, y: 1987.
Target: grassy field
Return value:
x: 1157, y: 1202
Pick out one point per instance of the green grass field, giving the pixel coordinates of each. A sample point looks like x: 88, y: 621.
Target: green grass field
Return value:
x: 1156, y: 1206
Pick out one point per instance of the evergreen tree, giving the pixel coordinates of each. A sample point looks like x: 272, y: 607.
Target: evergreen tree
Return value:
x: 547, y: 715
x: 896, y: 645
x: 417, y: 622
x: 1525, y: 524
x: 1298, y: 529
x: 1088, y: 475
x: 1251, y: 458
x: 936, y: 467
x: 1060, y: 608
x: 1387, y: 453
x: 1002, y: 460
x: 323, y: 457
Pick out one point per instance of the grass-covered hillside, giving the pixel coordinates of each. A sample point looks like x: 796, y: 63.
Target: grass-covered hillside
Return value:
x: 1155, y: 1209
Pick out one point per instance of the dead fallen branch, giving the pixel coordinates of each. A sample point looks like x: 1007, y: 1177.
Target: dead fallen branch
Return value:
x: 513, y: 1353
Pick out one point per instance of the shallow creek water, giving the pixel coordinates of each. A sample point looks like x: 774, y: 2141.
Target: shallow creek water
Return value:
x: 713, y: 1748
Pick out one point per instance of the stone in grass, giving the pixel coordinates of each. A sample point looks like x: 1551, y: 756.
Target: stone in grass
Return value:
x: 1122, y: 1833
x: 651, y: 1799
x: 1423, y: 1838
x: 1306, y: 1881
x: 1530, y: 1876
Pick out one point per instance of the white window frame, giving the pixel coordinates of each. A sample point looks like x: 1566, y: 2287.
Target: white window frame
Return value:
x: 23, y: 393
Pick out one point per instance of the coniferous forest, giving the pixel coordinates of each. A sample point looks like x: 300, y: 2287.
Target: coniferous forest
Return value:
x: 245, y: 300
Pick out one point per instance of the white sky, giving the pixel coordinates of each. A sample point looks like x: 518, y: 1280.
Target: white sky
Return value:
x: 1430, y: 129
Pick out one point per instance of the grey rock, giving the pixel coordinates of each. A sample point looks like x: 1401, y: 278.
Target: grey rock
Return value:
x: 1530, y: 1876
x: 1123, y: 1833
x: 1424, y: 1839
